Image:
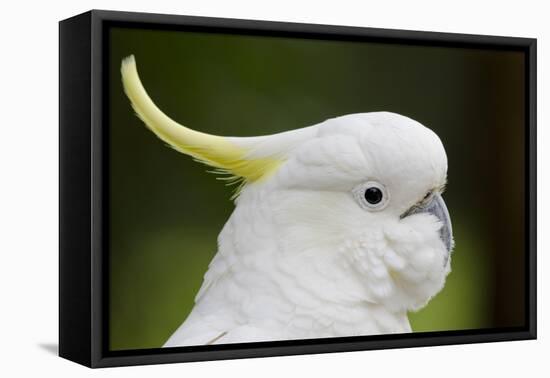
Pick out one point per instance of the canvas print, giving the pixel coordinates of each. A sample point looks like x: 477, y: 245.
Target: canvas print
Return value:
x: 268, y: 188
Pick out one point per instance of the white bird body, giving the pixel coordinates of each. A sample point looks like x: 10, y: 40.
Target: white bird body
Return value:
x: 303, y: 255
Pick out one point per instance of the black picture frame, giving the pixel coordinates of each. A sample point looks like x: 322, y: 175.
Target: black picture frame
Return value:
x: 84, y: 203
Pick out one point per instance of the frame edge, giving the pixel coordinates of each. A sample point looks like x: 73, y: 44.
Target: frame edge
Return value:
x: 74, y: 189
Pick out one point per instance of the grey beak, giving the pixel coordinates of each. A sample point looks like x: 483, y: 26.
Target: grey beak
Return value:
x: 438, y: 208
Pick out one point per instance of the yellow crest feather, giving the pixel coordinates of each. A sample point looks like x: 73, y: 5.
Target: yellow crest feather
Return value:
x: 213, y: 150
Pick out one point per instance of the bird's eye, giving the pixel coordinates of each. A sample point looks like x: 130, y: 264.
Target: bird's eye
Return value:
x: 371, y: 195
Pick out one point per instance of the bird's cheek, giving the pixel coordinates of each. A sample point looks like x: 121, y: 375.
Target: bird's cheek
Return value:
x: 416, y: 244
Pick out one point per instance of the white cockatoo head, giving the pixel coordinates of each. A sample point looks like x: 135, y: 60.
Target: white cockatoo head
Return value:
x: 351, y: 207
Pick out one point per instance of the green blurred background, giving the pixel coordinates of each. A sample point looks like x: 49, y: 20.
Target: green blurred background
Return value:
x: 166, y: 211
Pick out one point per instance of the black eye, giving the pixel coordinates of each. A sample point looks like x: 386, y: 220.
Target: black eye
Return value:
x: 373, y: 195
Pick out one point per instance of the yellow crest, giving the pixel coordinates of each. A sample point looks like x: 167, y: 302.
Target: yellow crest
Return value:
x: 213, y: 150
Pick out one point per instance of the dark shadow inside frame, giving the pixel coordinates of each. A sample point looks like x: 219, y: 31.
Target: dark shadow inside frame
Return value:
x: 84, y: 168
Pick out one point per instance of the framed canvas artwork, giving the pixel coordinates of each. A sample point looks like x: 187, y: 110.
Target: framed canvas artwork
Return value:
x: 234, y: 188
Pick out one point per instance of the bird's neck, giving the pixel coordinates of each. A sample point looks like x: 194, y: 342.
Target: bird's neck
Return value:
x: 309, y: 294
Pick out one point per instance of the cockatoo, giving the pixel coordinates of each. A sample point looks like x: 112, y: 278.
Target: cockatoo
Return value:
x: 339, y: 229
